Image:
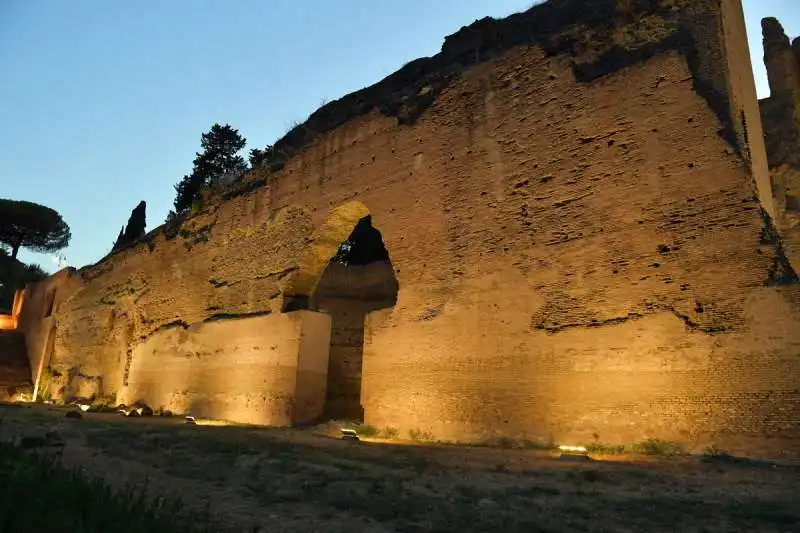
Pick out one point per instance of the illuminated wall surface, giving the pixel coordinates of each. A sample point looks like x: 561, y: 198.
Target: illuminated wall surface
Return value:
x: 584, y: 239
x: 8, y: 322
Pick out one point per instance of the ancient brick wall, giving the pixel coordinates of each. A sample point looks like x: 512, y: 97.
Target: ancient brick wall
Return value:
x: 348, y: 293
x: 268, y: 370
x: 610, y: 255
x: 113, y: 307
x: 37, y: 320
x: 573, y: 214
x: 781, y: 117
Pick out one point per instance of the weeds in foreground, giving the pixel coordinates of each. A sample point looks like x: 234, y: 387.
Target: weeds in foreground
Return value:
x: 387, y: 433
x: 421, y: 436
x: 597, y: 448
x: 658, y: 447
x: 38, y: 494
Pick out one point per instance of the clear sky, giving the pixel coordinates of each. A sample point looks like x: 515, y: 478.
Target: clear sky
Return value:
x: 103, y: 102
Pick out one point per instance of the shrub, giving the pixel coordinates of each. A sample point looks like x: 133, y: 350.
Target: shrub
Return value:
x: 713, y: 452
x: 598, y: 448
x: 389, y: 433
x: 46, y: 383
x: 420, y: 436
x: 658, y: 447
x: 365, y: 430
x: 197, y: 206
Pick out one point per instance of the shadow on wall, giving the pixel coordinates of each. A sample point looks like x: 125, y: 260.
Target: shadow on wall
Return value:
x: 346, y: 274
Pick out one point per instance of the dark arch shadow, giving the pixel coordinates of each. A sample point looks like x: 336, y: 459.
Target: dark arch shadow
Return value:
x: 358, y: 279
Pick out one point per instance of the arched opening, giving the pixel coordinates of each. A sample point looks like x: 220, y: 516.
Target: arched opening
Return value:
x: 346, y: 274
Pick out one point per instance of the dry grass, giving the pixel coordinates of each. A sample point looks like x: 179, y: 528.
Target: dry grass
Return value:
x: 290, y: 480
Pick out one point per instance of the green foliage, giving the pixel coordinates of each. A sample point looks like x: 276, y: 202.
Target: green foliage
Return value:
x: 45, y: 383
x: 421, y: 436
x: 15, y: 275
x: 258, y: 157
x: 389, y: 433
x: 38, y: 494
x: 187, y: 191
x: 658, y: 447
x: 134, y: 230
x: 714, y: 452
x: 220, y: 157
x: 366, y: 430
x: 597, y: 448
x: 32, y: 226
x: 197, y: 206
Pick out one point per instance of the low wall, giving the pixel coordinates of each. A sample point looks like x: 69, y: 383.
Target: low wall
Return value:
x: 267, y: 370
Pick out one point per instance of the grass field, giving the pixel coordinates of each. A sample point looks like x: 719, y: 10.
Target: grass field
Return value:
x: 255, y: 479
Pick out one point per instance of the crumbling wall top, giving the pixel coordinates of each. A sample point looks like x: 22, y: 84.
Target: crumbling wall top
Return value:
x: 592, y: 33
x: 781, y: 58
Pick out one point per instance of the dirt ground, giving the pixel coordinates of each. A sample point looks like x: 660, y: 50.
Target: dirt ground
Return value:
x: 274, y: 480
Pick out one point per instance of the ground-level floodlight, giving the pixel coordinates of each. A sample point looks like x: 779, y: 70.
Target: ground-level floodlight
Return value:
x: 349, y: 434
x: 573, y: 452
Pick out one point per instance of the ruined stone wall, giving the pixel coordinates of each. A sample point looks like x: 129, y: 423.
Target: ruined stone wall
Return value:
x: 268, y: 370
x: 781, y: 117
x: 744, y: 106
x: 348, y: 293
x: 604, y: 260
x: 37, y: 320
x: 573, y: 221
x: 183, y: 280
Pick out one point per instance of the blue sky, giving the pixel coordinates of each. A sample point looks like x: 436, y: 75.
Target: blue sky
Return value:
x: 103, y: 102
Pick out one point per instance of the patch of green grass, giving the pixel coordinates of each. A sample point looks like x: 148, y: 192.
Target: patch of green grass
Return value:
x: 658, y: 447
x: 38, y: 494
x: 372, y: 432
x: 365, y: 430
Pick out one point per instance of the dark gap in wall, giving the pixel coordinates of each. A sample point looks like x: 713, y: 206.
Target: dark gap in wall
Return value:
x: 359, y: 279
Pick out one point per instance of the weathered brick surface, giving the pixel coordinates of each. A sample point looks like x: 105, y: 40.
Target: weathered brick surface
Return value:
x: 253, y: 370
x: 576, y: 225
x: 348, y: 293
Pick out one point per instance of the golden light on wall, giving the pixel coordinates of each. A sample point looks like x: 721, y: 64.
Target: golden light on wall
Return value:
x: 10, y: 322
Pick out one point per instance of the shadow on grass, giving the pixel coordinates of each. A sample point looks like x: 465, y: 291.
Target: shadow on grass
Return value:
x: 411, y: 488
x: 38, y: 494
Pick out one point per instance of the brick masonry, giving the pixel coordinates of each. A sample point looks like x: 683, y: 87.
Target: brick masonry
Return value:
x: 579, y: 223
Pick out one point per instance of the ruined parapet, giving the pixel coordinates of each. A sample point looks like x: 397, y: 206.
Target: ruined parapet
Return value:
x: 796, y: 51
x: 781, y: 120
x: 780, y: 113
x: 780, y: 58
